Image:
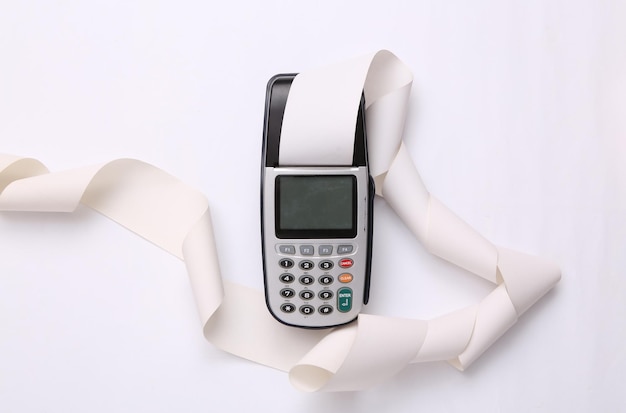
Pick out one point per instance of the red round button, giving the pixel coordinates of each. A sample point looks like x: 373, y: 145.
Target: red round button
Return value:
x: 346, y: 263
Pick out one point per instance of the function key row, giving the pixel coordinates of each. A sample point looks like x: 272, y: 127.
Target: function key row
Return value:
x: 306, y: 265
x: 310, y: 249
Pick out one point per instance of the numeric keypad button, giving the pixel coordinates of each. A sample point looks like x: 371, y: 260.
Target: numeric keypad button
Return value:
x: 326, y: 280
x: 325, y: 309
x: 285, y: 263
x: 326, y: 265
x: 287, y: 293
x: 325, y: 295
x: 307, y: 309
x: 287, y: 308
x: 307, y: 280
x: 306, y: 294
x: 287, y: 278
x: 306, y: 265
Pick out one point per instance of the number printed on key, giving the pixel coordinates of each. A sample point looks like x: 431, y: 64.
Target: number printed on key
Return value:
x: 287, y: 293
x: 306, y: 265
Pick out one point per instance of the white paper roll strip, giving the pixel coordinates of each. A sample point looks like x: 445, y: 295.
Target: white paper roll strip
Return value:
x: 175, y: 217
x: 495, y: 315
x: 147, y: 201
x: 58, y: 192
x: 317, y: 367
x: 382, y: 347
x: 242, y: 326
x: 200, y: 256
x: 385, y: 120
x: 410, y: 202
x: 439, y: 229
x: 526, y: 277
x: 325, y: 139
x: 386, y: 74
x: 448, y: 335
x: 450, y: 238
x: 6, y: 161
x: 13, y: 168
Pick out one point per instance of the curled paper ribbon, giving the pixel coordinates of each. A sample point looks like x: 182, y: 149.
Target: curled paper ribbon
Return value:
x: 175, y: 217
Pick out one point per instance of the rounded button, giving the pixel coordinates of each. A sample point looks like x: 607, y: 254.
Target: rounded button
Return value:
x: 287, y: 249
x: 345, y: 249
x: 287, y: 293
x: 346, y: 263
x: 325, y: 295
x: 345, y: 278
x: 325, y: 309
x: 287, y: 278
x: 326, y: 280
x: 306, y: 265
x: 306, y: 294
x: 326, y: 249
x: 306, y: 280
x: 344, y: 300
x: 285, y: 263
x: 307, y: 309
x: 287, y: 308
x: 326, y: 265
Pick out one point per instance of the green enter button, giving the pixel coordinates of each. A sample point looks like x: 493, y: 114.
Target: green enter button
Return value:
x: 344, y: 300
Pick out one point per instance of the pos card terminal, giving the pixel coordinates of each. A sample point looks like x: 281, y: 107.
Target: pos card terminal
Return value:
x: 316, y: 226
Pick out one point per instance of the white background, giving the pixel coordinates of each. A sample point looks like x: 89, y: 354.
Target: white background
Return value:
x: 516, y: 123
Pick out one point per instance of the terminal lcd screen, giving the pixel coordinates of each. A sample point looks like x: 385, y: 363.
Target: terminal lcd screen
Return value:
x: 319, y: 206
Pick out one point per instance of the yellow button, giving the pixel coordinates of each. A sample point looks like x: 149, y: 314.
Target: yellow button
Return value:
x: 345, y: 277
